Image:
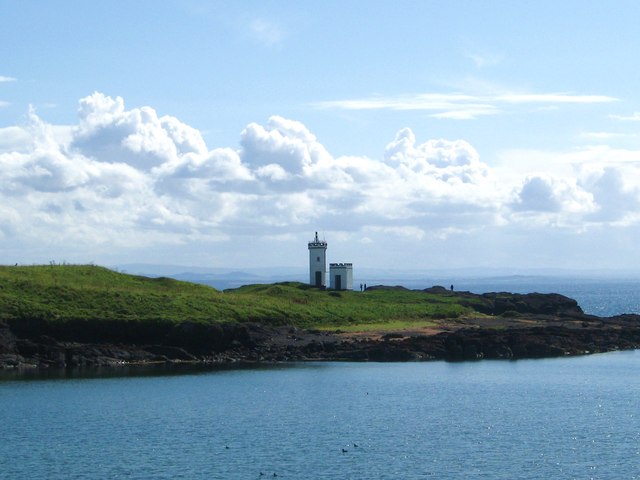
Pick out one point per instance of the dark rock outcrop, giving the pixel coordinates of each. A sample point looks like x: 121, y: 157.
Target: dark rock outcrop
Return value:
x: 554, y: 326
x: 387, y: 287
x: 530, y: 303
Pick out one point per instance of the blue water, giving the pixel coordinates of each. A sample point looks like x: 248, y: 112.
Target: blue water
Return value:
x: 556, y: 418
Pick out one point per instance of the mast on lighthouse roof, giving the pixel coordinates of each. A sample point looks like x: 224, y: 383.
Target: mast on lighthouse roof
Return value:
x: 317, y: 262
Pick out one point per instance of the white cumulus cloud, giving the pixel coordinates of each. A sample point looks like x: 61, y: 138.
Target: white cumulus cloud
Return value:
x: 108, y: 132
x: 131, y: 178
x: 550, y: 195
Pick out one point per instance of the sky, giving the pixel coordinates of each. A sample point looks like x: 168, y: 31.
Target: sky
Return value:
x: 408, y: 134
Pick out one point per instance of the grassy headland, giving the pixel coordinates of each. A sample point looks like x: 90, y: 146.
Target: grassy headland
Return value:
x: 87, y: 293
x: 73, y: 315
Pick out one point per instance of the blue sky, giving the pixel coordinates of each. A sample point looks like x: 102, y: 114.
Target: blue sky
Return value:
x: 412, y: 134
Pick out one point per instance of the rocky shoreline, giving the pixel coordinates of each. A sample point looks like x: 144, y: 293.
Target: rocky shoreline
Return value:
x: 512, y: 327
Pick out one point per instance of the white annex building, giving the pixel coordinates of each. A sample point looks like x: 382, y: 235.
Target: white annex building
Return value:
x: 340, y: 274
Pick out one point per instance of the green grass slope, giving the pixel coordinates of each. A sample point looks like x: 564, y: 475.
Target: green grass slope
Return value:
x: 66, y: 292
x: 59, y: 294
x: 299, y: 304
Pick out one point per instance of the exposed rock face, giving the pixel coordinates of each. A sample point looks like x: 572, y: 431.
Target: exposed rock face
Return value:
x: 8, y: 349
x: 554, y: 326
x: 530, y: 303
x: 537, y: 342
x: 190, y: 342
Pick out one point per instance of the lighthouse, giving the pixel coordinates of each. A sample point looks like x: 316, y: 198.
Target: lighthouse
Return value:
x: 317, y: 262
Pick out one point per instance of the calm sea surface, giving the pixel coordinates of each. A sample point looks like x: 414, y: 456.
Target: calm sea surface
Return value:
x: 556, y: 418
x: 560, y: 418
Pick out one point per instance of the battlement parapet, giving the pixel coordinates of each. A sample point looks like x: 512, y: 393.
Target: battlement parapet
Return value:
x: 317, y: 243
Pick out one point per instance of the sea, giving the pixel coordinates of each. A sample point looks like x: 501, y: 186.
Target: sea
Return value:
x: 563, y: 418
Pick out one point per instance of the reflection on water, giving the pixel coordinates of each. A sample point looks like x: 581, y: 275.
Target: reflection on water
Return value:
x: 147, y: 370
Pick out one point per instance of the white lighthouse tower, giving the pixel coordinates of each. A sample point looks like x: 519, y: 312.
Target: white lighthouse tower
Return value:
x: 317, y: 262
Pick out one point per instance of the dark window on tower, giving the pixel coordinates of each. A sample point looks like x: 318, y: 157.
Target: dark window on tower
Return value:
x: 317, y: 259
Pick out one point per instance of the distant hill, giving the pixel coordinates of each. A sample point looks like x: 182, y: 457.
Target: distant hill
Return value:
x: 219, y: 278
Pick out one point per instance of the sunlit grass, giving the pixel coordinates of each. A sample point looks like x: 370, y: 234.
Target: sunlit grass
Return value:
x: 387, y: 326
x: 62, y: 293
